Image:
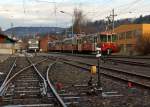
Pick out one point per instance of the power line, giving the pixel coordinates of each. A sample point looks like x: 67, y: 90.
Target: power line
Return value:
x: 129, y: 7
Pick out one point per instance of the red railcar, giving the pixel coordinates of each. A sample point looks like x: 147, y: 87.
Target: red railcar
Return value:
x: 51, y: 46
x: 88, y: 43
x: 107, y: 42
x: 55, y: 46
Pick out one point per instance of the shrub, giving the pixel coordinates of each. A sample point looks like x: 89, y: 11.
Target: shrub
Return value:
x: 143, y: 45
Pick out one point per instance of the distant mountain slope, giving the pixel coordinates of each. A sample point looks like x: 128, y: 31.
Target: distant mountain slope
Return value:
x: 25, y: 31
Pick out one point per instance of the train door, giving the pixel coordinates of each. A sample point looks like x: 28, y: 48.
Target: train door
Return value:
x: 95, y: 43
x: 74, y: 44
x: 79, y: 45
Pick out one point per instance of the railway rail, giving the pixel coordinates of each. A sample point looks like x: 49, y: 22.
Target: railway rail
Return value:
x: 121, y: 60
x: 26, y: 86
x: 111, y: 56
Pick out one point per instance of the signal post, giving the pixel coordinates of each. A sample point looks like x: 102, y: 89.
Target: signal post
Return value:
x: 99, y: 84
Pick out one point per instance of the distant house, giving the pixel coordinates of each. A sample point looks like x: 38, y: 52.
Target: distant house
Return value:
x: 129, y: 34
x: 7, y: 45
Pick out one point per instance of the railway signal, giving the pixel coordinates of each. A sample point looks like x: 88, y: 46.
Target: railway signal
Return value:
x: 99, y: 54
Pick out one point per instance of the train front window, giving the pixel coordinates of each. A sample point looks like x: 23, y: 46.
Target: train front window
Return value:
x: 103, y: 38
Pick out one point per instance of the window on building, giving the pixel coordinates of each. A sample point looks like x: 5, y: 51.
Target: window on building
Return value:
x: 137, y: 33
x: 122, y: 36
x: 129, y: 34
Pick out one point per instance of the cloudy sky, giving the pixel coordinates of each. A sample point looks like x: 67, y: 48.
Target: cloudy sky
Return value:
x: 15, y: 13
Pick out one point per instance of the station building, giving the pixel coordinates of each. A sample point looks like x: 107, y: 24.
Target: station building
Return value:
x: 7, y: 45
x: 128, y: 36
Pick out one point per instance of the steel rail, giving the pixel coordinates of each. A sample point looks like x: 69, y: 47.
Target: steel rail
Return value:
x: 11, y: 69
x: 122, y: 61
x: 61, y: 102
x: 37, y: 71
x: 16, y: 74
x: 111, y: 56
x: 129, y: 62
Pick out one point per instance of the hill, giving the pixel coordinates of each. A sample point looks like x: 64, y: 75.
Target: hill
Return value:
x: 26, y: 31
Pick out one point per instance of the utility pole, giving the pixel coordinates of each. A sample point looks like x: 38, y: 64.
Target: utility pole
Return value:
x: 108, y: 23
x: 113, y: 15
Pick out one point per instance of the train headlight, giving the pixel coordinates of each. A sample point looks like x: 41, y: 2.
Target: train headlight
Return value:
x: 37, y: 42
x: 29, y: 42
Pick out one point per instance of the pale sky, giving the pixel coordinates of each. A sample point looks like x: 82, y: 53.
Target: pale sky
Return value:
x: 47, y: 12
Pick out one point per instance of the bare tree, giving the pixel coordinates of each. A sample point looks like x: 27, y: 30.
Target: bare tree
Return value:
x: 143, y: 44
x: 79, y: 20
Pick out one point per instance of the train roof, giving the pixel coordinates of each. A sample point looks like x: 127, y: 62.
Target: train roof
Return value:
x: 107, y: 33
x: 91, y: 35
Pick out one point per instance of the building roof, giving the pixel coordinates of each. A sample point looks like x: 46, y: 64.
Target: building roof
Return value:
x: 5, y: 36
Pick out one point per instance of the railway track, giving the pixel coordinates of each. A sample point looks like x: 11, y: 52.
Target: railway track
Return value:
x: 5, y: 68
x: 25, y: 86
x: 139, y: 79
x: 93, y: 56
x: 119, y: 60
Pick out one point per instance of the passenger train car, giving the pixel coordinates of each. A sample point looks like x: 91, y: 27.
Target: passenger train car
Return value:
x: 33, y: 45
x: 86, y: 44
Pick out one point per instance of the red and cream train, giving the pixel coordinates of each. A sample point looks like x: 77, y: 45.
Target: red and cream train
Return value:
x: 86, y: 44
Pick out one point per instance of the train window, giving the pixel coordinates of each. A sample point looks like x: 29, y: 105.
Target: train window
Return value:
x: 74, y: 41
x: 109, y: 38
x: 114, y: 38
x: 84, y: 39
x: 91, y: 39
x: 95, y: 39
x: 103, y: 38
x: 68, y: 41
x: 80, y: 41
x: 77, y: 41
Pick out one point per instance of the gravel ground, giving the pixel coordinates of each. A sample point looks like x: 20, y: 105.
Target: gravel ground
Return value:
x: 145, y: 60
x: 4, y: 68
x: 3, y: 57
x: 130, y: 68
x: 130, y: 97
x: 69, y: 76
